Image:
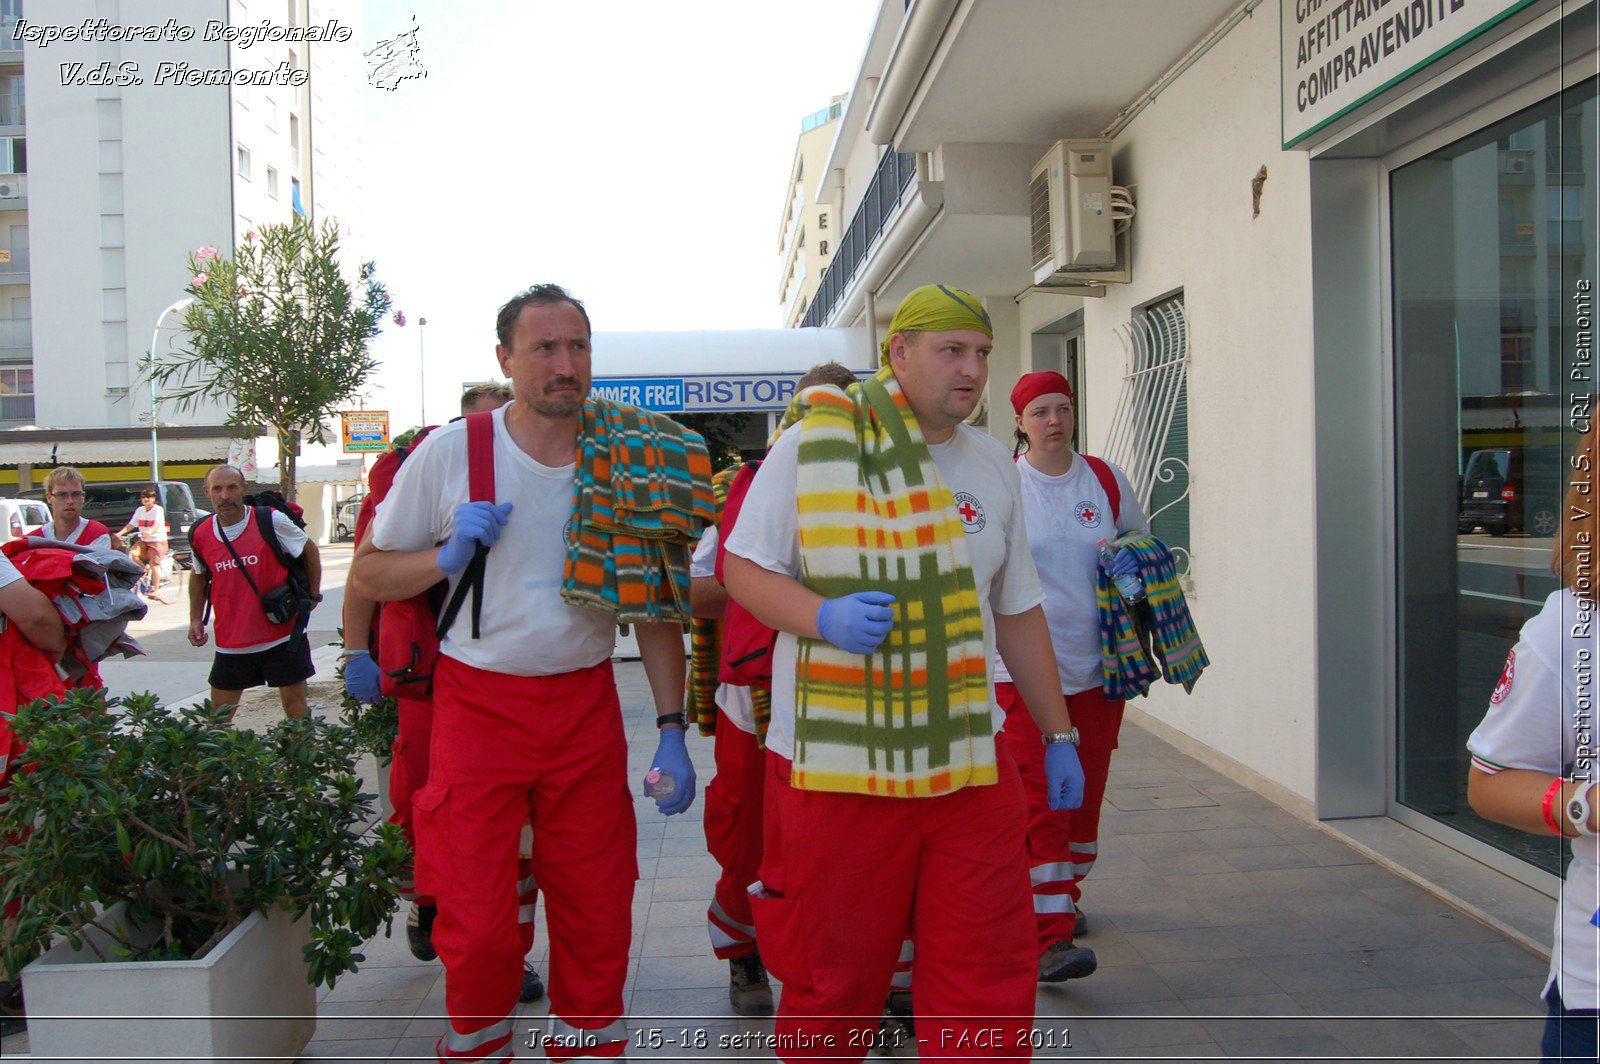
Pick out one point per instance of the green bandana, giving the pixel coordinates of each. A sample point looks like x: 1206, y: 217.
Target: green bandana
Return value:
x: 938, y: 308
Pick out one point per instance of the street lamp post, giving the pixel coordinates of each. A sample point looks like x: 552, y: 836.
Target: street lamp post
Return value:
x: 155, y: 455
x: 422, y: 367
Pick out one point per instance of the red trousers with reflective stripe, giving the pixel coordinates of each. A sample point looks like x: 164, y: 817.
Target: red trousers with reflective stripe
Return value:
x: 507, y: 749
x: 734, y: 802
x: 847, y: 877
x: 1061, y: 845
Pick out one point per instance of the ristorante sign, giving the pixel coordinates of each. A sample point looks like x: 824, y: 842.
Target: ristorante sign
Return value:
x: 1338, y: 54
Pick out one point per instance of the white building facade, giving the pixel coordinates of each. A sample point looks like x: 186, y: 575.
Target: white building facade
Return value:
x: 141, y: 151
x: 1355, y: 279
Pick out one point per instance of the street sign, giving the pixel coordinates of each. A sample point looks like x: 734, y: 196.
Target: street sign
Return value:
x: 706, y: 393
x: 364, y: 431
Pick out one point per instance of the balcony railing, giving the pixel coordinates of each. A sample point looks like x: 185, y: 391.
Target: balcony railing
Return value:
x: 13, y: 110
x: 13, y: 260
x: 896, y: 172
x: 16, y: 339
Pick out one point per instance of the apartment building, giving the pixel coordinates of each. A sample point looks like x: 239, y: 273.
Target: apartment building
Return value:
x: 805, y: 235
x: 1355, y: 278
x: 128, y: 141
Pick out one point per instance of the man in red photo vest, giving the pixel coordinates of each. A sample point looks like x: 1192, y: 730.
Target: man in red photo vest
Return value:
x: 63, y: 493
x: 235, y: 567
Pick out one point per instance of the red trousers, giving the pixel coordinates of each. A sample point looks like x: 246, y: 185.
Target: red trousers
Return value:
x: 507, y: 749
x: 408, y: 773
x: 1061, y: 846
x: 734, y: 804
x: 845, y: 878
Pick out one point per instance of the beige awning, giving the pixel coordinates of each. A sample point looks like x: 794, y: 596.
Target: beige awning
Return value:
x: 51, y: 449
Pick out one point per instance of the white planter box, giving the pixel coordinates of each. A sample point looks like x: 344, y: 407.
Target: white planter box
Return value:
x: 247, y: 998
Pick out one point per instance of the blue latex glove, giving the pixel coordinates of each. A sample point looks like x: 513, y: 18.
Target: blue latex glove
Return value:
x: 1063, y: 776
x: 472, y: 524
x: 672, y: 757
x: 857, y: 623
x: 362, y: 679
x: 1124, y: 563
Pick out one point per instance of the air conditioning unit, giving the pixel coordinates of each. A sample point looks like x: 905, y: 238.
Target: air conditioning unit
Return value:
x: 10, y: 188
x: 1513, y: 164
x: 1078, y: 218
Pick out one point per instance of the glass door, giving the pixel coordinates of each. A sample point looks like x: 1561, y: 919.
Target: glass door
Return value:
x: 1490, y: 238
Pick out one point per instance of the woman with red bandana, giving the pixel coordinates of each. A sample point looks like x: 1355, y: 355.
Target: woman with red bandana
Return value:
x: 1071, y: 503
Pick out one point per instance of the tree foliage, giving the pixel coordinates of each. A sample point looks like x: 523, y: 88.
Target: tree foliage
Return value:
x: 278, y: 334
x: 194, y: 825
x: 721, y: 432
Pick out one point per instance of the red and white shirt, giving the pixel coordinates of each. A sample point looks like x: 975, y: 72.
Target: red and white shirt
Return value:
x: 152, y: 524
x: 241, y: 624
x: 88, y: 533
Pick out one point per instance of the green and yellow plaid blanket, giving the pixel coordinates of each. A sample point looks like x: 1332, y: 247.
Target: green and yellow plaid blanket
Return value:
x: 911, y: 719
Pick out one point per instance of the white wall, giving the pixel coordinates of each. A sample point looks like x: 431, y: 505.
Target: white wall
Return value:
x: 123, y: 183
x: 1247, y: 284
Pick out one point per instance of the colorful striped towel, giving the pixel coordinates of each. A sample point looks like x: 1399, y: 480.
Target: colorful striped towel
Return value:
x: 705, y: 651
x: 911, y: 719
x: 1166, y: 644
x: 642, y: 498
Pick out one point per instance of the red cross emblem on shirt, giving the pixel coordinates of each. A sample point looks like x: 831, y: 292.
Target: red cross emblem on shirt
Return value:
x: 970, y: 510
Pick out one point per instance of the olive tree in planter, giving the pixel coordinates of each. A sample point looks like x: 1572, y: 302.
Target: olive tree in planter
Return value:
x: 149, y: 852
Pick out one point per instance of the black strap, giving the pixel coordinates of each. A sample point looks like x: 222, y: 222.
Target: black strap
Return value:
x: 216, y: 526
x: 471, y: 580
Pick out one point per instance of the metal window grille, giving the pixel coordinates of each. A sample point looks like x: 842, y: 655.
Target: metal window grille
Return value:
x: 896, y: 172
x: 1150, y: 430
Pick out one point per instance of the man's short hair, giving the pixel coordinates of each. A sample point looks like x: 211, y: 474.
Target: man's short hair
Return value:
x: 540, y: 295
x: 471, y: 397
x: 226, y: 468
x: 62, y: 475
x: 826, y: 373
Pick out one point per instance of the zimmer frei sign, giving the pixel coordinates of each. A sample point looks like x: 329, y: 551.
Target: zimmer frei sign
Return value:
x: 724, y: 393
x: 1338, y: 54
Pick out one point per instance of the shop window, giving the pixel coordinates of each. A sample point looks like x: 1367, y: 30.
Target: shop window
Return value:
x: 1485, y: 332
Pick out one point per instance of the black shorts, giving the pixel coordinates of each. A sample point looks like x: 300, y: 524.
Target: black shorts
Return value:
x: 284, y: 665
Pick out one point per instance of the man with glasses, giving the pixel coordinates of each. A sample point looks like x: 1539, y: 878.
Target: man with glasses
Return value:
x: 63, y: 493
x: 151, y: 522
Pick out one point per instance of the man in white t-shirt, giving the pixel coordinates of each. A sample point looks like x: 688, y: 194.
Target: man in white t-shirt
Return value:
x: 526, y: 715
x: 856, y: 873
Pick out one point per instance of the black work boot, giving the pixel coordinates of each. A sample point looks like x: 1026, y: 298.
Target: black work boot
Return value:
x: 419, y: 931
x: 748, y: 990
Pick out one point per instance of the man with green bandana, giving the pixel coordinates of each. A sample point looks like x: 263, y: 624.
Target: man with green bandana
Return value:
x: 883, y: 539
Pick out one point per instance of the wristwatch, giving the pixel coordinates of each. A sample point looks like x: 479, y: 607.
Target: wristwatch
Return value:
x: 1578, y: 808
x: 1068, y: 736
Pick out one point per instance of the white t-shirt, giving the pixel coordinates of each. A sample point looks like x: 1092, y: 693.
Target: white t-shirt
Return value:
x: 526, y: 629
x: 48, y: 531
x: 8, y: 572
x: 1545, y: 697
x: 152, y: 522
x: 734, y: 701
x: 976, y: 468
x: 1067, y: 517
x: 293, y: 540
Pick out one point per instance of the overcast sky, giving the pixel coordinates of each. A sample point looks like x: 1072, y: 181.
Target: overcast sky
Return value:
x: 635, y: 151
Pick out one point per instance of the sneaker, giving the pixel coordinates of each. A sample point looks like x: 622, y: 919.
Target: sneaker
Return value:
x: 748, y: 990
x: 532, y: 985
x: 897, y: 1029
x: 1063, y: 961
x: 419, y: 931
x: 1081, y: 928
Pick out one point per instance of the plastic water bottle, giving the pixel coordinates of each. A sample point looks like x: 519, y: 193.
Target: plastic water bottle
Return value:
x: 662, y: 784
x: 1129, y: 586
